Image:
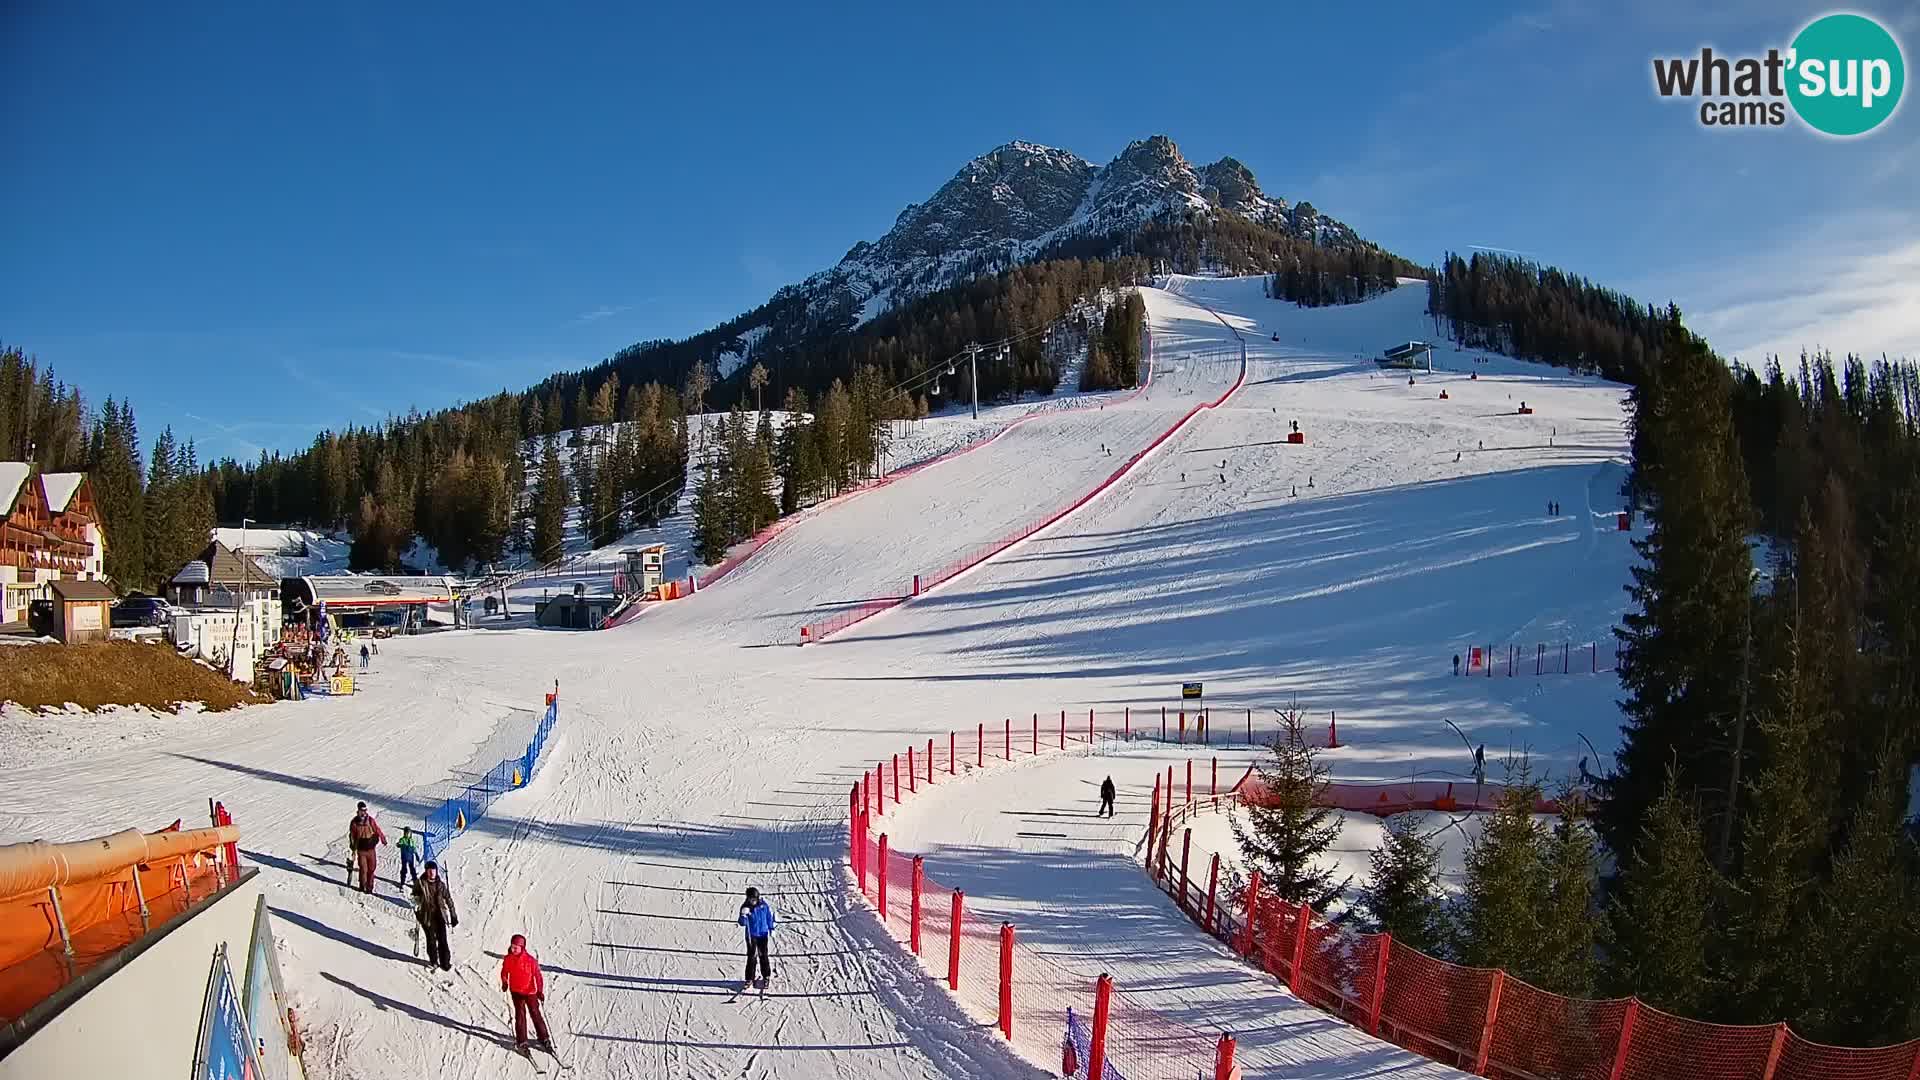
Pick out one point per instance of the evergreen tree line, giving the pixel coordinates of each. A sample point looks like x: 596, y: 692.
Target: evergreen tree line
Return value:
x: 1329, y: 276
x: 1757, y: 803
x: 1514, y: 306
x: 1116, y: 353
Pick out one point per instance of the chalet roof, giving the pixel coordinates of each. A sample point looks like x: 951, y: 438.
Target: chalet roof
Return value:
x: 221, y: 565
x: 13, y: 474
x: 60, y: 487
x: 80, y: 590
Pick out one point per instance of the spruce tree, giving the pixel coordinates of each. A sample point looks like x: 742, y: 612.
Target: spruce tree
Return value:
x: 1502, y: 920
x: 712, y: 510
x: 1862, y: 939
x: 1402, y: 893
x: 549, y: 505
x: 1681, y: 663
x: 1660, y: 917
x: 1567, y: 945
x: 1289, y: 829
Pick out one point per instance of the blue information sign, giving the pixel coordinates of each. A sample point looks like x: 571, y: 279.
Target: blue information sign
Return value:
x: 226, y: 1047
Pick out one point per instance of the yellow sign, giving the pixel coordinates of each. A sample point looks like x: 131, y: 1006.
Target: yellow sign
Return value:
x: 516, y: 778
x: 460, y: 819
x: 341, y: 684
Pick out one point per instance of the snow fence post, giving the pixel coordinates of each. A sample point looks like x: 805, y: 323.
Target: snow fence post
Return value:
x: 1063, y: 729
x: 1006, y: 734
x: 1089, y: 727
x: 953, y: 762
x: 1486, y: 1028
x: 1563, y: 659
x: 1773, y: 1052
x: 1006, y: 980
x: 1249, y: 727
x: 1163, y: 723
x: 1189, y: 781
x: 1205, y: 735
x: 1153, y: 820
x: 1302, y: 922
x: 1333, y: 730
x: 880, y: 788
x: 1213, y: 785
x: 1186, y: 853
x: 853, y: 835
x: 919, y: 882
x: 1102, y: 1006
x: 881, y: 891
x: 912, y: 776
x: 1385, y: 945
x: 1625, y: 1045
x: 1223, y: 1067
x: 953, y: 942
x: 1183, y: 725
x: 1126, y: 722
x: 1253, y: 914
x: 896, y: 779
x: 1213, y: 887
x: 1036, y: 734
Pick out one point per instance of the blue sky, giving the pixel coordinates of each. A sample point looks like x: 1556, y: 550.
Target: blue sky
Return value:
x: 256, y: 223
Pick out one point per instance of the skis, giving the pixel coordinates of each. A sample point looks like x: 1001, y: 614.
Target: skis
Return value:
x: 528, y: 1055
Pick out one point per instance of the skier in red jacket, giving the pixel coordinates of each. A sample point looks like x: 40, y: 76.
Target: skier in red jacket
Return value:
x: 520, y: 976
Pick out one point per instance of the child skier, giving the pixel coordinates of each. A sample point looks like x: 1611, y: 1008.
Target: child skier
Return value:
x: 409, y: 848
x: 520, y: 977
x: 757, y: 917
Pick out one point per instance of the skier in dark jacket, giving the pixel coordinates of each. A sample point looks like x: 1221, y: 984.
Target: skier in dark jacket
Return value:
x: 757, y: 917
x: 1106, y: 798
x: 433, y: 906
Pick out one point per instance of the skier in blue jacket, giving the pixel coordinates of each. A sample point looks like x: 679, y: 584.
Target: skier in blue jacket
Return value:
x: 757, y: 917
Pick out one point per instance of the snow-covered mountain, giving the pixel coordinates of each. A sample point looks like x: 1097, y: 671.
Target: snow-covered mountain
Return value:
x: 1013, y: 204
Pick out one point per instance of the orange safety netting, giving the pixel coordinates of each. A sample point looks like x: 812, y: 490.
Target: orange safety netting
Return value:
x: 1488, y: 1022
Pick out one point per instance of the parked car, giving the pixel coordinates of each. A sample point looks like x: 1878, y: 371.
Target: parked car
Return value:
x: 40, y: 616
x: 142, y: 611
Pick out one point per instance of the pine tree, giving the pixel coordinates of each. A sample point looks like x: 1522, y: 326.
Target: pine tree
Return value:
x: 1567, y: 945
x: 756, y: 380
x: 1681, y: 666
x: 712, y: 510
x: 1660, y: 917
x: 1503, y: 915
x: 1402, y: 893
x: 1863, y: 937
x: 549, y: 505
x: 1763, y: 945
x: 1290, y: 827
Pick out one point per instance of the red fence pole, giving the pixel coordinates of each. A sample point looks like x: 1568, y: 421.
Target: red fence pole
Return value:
x: 882, y: 889
x: 1486, y: 1029
x: 1183, y: 725
x: 1204, y: 737
x: 1213, y: 785
x: 1163, y: 723
x: 1773, y: 1052
x: 1186, y: 852
x: 953, y: 761
x: 1126, y: 722
x: 1625, y: 1045
x: 1006, y: 980
x: 1007, y: 733
x: 896, y: 779
x: 1153, y: 820
x: 853, y: 834
x: 1213, y: 887
x: 1249, y: 727
x: 1089, y: 727
x: 1223, y: 1067
x: 1564, y: 669
x: 1063, y: 729
x: 880, y: 788
x: 1333, y: 730
x: 1302, y: 922
x: 980, y: 747
x: 1036, y: 734
x: 912, y: 783
x: 1102, y: 1004
x: 913, y: 919
x: 1379, y: 983
x: 1593, y: 652
x: 1253, y: 914
x: 953, y: 944
x: 1189, y: 782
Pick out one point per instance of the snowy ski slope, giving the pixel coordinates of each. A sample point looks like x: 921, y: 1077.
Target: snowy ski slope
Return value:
x: 699, y: 751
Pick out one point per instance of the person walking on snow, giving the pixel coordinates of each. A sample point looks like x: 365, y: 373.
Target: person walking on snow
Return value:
x: 363, y: 658
x: 520, y: 977
x: 1106, y: 798
x: 757, y: 917
x: 364, y: 837
x: 409, y: 849
x: 433, y: 906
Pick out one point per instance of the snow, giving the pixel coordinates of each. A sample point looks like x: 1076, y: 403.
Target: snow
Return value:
x: 60, y: 487
x: 286, y: 551
x: 12, y: 475
x: 692, y: 758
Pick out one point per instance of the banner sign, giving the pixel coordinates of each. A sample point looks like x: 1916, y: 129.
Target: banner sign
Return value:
x: 226, y: 1047
x: 1190, y: 690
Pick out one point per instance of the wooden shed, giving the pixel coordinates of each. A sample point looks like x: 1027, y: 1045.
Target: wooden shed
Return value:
x: 80, y: 610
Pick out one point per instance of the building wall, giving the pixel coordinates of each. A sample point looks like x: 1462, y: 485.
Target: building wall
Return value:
x: 210, y: 634
x: 81, y: 620
x: 144, y: 1019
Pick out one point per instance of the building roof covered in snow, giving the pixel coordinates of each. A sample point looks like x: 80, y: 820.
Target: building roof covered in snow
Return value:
x: 60, y: 487
x: 13, y: 474
x: 220, y: 565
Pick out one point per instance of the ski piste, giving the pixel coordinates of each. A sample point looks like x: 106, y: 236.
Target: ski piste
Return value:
x: 700, y: 752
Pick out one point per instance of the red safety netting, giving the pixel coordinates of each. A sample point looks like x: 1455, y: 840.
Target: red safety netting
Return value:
x: 1483, y: 1020
x: 982, y: 552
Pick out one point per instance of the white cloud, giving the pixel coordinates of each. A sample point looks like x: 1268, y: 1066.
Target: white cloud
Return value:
x: 1847, y: 284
